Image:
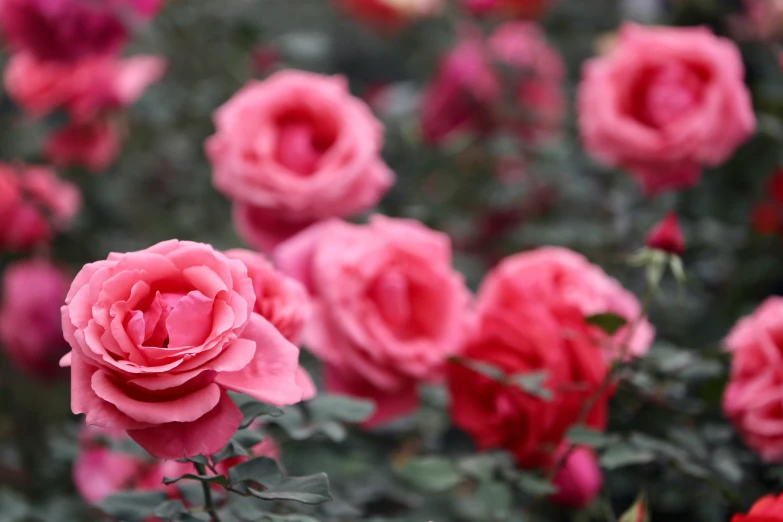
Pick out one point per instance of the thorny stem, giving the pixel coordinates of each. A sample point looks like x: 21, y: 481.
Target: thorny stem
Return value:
x: 209, y: 505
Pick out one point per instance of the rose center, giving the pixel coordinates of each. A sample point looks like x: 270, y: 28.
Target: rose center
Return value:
x: 302, y: 140
x: 391, y: 294
x: 667, y: 93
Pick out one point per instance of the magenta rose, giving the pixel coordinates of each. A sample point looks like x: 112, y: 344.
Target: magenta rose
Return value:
x: 160, y: 335
x: 580, y: 480
x: 69, y: 30
x: 295, y: 149
x: 749, y: 401
x: 388, y: 308
x: 30, y: 331
x: 466, y: 93
x: 664, y: 103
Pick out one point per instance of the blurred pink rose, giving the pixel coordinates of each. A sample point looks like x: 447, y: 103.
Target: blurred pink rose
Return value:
x: 34, y: 203
x: 580, y: 480
x: 100, y: 471
x: 69, y: 30
x: 507, y: 8
x: 93, y: 145
x: 85, y: 88
x: 466, y: 92
x: 282, y: 301
x: 160, y: 335
x: 388, y: 308
x: 749, y: 401
x: 295, y: 149
x: 664, y: 103
x: 30, y: 323
x: 555, y: 272
x: 390, y: 14
x: 531, y: 317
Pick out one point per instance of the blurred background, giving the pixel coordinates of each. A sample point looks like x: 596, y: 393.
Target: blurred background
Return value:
x: 491, y: 194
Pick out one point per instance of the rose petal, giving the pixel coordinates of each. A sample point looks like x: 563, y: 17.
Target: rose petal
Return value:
x: 205, y: 436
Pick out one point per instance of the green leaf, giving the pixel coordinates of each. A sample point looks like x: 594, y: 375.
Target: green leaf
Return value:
x: 608, y: 322
x: 170, y: 510
x: 211, y: 479
x: 253, y: 410
x: 431, y: 474
x: 584, y: 436
x: 14, y: 508
x: 132, y: 506
x: 232, y: 450
x: 312, y: 489
x: 196, y: 459
x: 638, y: 512
x: 622, y: 454
x: 480, y: 467
x: 263, y: 470
x: 534, y: 484
x: 533, y: 383
x: 248, y: 438
x: 342, y: 408
x: 269, y: 517
x: 487, y: 370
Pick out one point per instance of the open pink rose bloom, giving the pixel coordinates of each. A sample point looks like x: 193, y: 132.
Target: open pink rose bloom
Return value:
x: 160, y: 335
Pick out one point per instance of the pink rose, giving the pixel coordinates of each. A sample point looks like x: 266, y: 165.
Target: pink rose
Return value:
x: 30, y: 329
x: 100, y: 471
x: 570, y: 279
x: 755, y: 343
x: 508, y: 8
x: 466, y: 92
x: 70, y: 30
x: 160, y: 335
x: 34, y: 203
x: 390, y: 14
x: 665, y: 103
x: 295, y: 149
x: 282, y: 301
x: 388, y: 308
x: 85, y: 88
x: 580, y: 480
x: 531, y: 316
x: 93, y: 145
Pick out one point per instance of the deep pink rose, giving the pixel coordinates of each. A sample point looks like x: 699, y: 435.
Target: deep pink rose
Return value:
x: 390, y: 14
x: 570, y: 279
x: 282, y: 301
x: 34, y: 203
x: 531, y: 316
x: 466, y: 92
x: 756, y: 344
x: 69, y: 30
x: 30, y: 331
x: 664, y: 103
x: 295, y: 149
x: 580, y: 480
x: 507, y: 8
x: 85, y: 88
x: 93, y: 145
x: 160, y: 335
x: 388, y: 308
x: 101, y: 471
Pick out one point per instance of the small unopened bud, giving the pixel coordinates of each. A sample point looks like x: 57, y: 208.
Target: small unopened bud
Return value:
x: 667, y: 236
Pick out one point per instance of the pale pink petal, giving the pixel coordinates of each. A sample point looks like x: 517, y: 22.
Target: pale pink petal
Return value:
x: 271, y: 375
x: 190, y: 321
